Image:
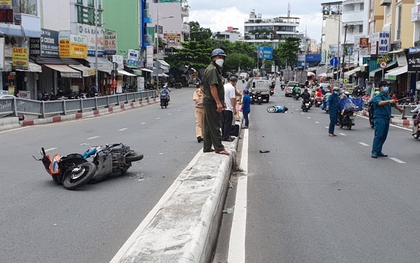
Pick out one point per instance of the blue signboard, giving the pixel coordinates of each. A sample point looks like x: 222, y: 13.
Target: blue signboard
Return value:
x: 312, y: 58
x: 334, y: 61
x: 265, y: 53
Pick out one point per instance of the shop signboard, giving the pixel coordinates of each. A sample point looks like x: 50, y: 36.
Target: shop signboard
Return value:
x: 149, y: 56
x: 49, y: 43
x: 6, y: 15
x: 64, y: 44
x: 413, y: 62
x: 34, y: 46
x: 110, y: 38
x: 20, y: 58
x: 119, y: 60
x: 265, y: 53
x: 172, y: 39
x: 78, y: 46
x: 133, y: 58
x: 6, y: 3
x: 383, y: 43
x: 1, y: 53
x: 374, y: 38
x: 93, y: 36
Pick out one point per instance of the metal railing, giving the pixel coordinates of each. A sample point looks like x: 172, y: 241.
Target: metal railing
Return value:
x: 13, y: 106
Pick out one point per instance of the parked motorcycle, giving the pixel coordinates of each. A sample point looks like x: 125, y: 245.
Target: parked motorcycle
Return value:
x: 74, y: 170
x: 256, y: 97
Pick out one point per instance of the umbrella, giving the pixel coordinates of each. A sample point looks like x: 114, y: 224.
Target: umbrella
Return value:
x: 310, y: 74
x: 323, y: 75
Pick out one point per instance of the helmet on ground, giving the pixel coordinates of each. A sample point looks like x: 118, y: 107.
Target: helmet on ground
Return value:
x: 246, y: 91
x: 218, y: 52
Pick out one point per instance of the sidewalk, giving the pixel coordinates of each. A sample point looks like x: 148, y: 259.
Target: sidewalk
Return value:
x: 396, y: 120
x: 184, y: 225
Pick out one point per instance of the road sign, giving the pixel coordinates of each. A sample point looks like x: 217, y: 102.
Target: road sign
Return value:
x: 383, y: 65
x: 334, y: 61
x: 346, y: 80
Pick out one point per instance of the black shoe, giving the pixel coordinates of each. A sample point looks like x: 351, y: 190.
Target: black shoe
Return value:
x: 382, y: 155
x: 199, y: 139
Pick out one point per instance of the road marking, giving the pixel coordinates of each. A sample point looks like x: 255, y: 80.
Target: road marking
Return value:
x: 51, y: 149
x: 308, y: 118
x: 143, y: 123
x: 364, y: 144
x: 158, y: 118
x: 342, y: 134
x: 92, y: 138
x: 396, y: 160
x: 236, y: 252
x: 169, y: 114
x: 317, y: 122
x: 123, y: 129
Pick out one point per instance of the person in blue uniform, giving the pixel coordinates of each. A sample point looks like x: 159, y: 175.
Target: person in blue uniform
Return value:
x: 382, y: 104
x: 333, y: 108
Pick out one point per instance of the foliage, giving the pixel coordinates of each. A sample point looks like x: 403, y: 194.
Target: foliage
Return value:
x: 286, y: 53
x: 198, y: 33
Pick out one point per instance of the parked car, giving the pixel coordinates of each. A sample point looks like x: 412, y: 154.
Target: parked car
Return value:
x: 288, y: 90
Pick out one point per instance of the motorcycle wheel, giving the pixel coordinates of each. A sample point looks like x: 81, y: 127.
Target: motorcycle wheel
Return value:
x: 79, y: 175
x: 133, y: 157
x: 271, y: 109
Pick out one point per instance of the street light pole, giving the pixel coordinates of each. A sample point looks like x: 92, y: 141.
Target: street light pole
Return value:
x: 338, y: 45
x: 96, y: 44
x: 157, y: 43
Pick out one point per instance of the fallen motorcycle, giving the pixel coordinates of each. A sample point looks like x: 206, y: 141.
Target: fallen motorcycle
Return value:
x: 95, y: 165
x: 277, y: 109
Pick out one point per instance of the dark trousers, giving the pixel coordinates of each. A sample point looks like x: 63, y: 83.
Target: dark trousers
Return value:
x: 246, y: 118
x: 226, y: 120
x: 212, y: 135
x: 381, y: 132
x: 333, y: 121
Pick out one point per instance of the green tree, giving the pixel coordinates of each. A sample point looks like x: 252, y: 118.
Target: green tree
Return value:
x: 286, y: 53
x: 197, y: 33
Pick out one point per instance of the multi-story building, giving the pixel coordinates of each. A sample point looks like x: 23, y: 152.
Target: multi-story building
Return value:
x: 232, y: 34
x: 330, y: 41
x: 271, y: 31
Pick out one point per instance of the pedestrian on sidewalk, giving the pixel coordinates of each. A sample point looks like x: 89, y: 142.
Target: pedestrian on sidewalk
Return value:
x: 382, y: 104
x: 199, y: 113
x: 238, y: 103
x: 230, y: 109
x: 246, y: 107
x: 213, y: 102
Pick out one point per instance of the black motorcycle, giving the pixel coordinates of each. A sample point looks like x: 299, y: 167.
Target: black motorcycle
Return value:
x: 346, y: 119
x: 306, y: 105
x: 164, y: 100
x: 256, y: 97
x: 74, y: 170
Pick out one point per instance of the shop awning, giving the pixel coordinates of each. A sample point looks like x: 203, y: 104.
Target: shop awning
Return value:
x: 164, y: 63
x: 392, y: 74
x: 32, y: 67
x: 86, y: 72
x: 347, y: 74
x: 390, y: 64
x: 65, y: 71
x: 146, y: 69
x: 125, y: 73
x: 104, y: 64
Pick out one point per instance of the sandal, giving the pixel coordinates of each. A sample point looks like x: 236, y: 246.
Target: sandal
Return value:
x: 223, y: 152
x: 211, y: 150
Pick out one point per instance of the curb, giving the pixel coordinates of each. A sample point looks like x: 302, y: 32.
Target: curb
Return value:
x: 184, y: 225
x: 13, y: 122
x: 396, y: 121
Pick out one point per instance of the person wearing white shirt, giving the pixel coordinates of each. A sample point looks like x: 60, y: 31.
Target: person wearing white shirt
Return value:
x: 230, y: 110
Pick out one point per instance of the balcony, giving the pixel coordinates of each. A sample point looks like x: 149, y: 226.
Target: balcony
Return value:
x: 185, y: 28
x: 185, y: 11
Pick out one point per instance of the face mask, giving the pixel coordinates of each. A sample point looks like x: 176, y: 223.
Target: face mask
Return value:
x: 385, y: 89
x: 219, y: 62
x: 335, y: 92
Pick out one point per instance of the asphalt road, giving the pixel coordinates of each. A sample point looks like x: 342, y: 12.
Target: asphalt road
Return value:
x: 43, y: 222
x: 313, y: 198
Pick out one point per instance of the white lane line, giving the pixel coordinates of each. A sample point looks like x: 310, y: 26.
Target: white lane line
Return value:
x: 238, y: 231
x: 308, y: 118
x: 146, y: 221
x: 123, y: 129
x: 51, y: 149
x: 92, y: 138
x: 364, y: 144
x: 317, y: 122
x: 143, y: 123
x: 342, y: 134
x: 169, y: 114
x: 158, y: 118
x: 396, y: 160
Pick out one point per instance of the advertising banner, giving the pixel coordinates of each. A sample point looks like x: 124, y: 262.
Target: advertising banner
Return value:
x: 49, y: 43
x: 133, y: 58
x: 172, y: 39
x: 265, y: 53
x: 78, y: 46
x: 149, y: 56
x: 119, y: 60
x: 20, y: 58
x: 413, y: 62
x: 7, y: 3
x: 34, y: 46
x: 64, y: 44
x: 383, y: 43
x: 93, y: 36
x: 110, y: 38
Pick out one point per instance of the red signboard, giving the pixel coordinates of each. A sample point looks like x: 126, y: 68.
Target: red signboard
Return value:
x: 6, y: 15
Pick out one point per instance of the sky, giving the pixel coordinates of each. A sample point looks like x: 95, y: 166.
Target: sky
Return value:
x: 219, y: 14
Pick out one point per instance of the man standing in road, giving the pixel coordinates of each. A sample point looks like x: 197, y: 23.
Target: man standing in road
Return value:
x: 230, y: 110
x: 382, y: 104
x: 213, y: 102
x: 333, y: 109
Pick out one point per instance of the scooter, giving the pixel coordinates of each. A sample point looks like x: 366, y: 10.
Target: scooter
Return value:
x: 306, y: 105
x: 256, y: 97
x: 346, y: 119
x: 272, y: 86
x: 75, y: 170
x: 277, y: 109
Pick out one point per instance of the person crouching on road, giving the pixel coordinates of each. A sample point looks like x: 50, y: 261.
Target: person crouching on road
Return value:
x: 382, y: 104
x: 246, y: 107
x: 333, y: 109
x: 213, y: 102
x: 199, y: 113
x: 230, y: 110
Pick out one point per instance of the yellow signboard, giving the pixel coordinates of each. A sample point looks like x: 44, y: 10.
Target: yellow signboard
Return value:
x: 5, y: 2
x: 78, y: 46
x: 20, y: 58
x: 64, y: 44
